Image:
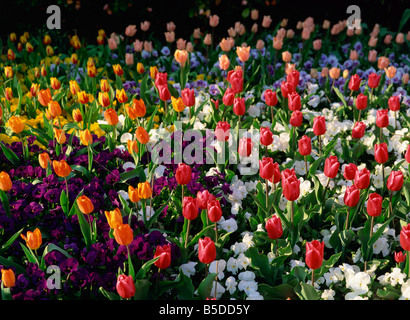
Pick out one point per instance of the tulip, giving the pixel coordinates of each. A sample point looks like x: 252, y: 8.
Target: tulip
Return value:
x: 294, y: 102
x: 104, y: 99
x: 190, y: 208
x: 133, y: 194
x: 132, y: 147
x: 222, y: 131
x: 314, y: 255
x: 407, y: 154
x: 8, y: 278
x: 361, y: 103
x: 223, y: 62
x: 405, y: 237
x: 164, y: 254
x: 390, y: 72
x: 118, y: 69
x: 202, y: 199
x: 362, y: 178
x: 44, y: 160
x: 276, y: 174
x: 61, y: 168
x: 121, y: 96
x: 83, y: 97
x: 394, y: 103
x: 319, y: 125
x: 16, y: 125
x: 164, y: 93
x: 266, y: 136
x: 125, y: 286
x: 374, y: 205
x: 239, y: 106
x: 291, y: 187
x: 5, y: 182
x: 286, y: 88
x: 11, y: 55
x: 183, y: 174
x: 274, y: 227
x: 228, y: 97
x: 354, y: 83
x: 54, y: 109
x: 383, y: 63
x: 33, y: 239
x: 188, y: 97
x: 395, y: 181
x: 399, y: 257
x: 214, y: 210
x: 235, y: 78
x: 123, y: 234
x: 334, y: 73
x: 243, y: 53
x: 381, y: 154
x: 86, y: 137
x: 74, y: 89
x: 245, y: 147
x: 206, y: 250
x: 349, y: 171
x: 305, y: 146
x: 144, y: 190
x: 60, y: 136
x: 142, y: 135
x: 351, y: 197
x: 114, y: 218
x: 181, y: 56
x: 358, y: 130
x: 110, y: 115
x: 270, y: 98
x: 374, y: 80
x: 382, y: 120
x: 104, y: 85
x: 266, y: 168
x: 293, y: 77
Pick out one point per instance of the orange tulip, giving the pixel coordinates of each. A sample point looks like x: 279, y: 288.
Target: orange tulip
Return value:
x: 177, y: 104
x: 60, y: 135
x: 139, y: 107
x: 111, y: 116
x: 61, y: 168
x: 104, y: 99
x: 8, y: 278
x: 54, y: 109
x: 33, y: 239
x: 77, y: 116
x: 132, y: 146
x: 133, y: 194
x: 74, y: 87
x: 34, y: 89
x: 11, y: 55
x: 286, y: 56
x: 16, y: 124
x: 104, y: 85
x: 5, y: 181
x: 55, y: 84
x: 243, y: 53
x: 390, y: 72
x: 85, y: 205
x: 118, y: 69
x: 44, y: 160
x: 114, y: 218
x: 181, y: 56
x: 123, y: 234
x: 86, y: 137
x: 224, y: 62
x: 83, y: 97
x: 383, y: 63
x: 334, y: 73
x: 44, y: 97
x: 144, y: 190
x: 142, y: 135
x: 121, y: 96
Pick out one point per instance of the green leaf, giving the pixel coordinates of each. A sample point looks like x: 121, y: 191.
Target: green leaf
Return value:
x: 84, y: 226
x: 10, y: 155
x: 11, y: 240
x: 341, y: 97
x: 306, y: 292
x: 261, y: 263
x: 404, y: 18
x: 52, y: 247
x: 64, y: 202
x: 109, y: 295
x: 205, y: 287
x: 145, y: 268
x: 155, y: 216
x: 8, y: 263
x: 195, y: 239
x: 5, y: 201
x: 29, y: 254
x: 137, y: 172
x: 279, y: 292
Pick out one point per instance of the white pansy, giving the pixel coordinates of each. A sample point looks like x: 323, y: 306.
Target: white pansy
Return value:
x: 221, y: 267
x: 393, y: 278
x: 328, y: 294
x: 358, y: 282
x: 247, y: 276
x: 405, y: 291
x: 296, y: 263
x: 247, y: 286
x: 125, y: 137
x: 128, y: 165
x: 188, y: 268
x: 231, y: 284
x: 254, y: 111
x: 235, y: 208
x: 239, y: 247
x: 123, y: 194
x: 354, y: 296
x: 381, y: 246
x: 254, y: 295
x: 220, y: 290
x: 149, y: 213
x: 232, y: 265
x: 243, y: 261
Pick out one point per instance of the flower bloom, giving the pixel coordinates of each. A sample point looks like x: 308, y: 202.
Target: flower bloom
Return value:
x: 319, y: 125
x: 133, y: 194
x: 331, y: 166
x: 111, y: 116
x: 405, y: 237
x: 164, y: 254
x: 394, y: 103
x: 33, y: 239
x: 85, y: 205
x: 123, y: 234
x: 381, y: 154
x: 382, y: 118
x: 190, y: 208
x: 5, y: 181
x: 125, y: 286
x: 266, y: 136
x: 142, y: 135
x: 358, y: 130
x: 183, y: 174
x: 44, y: 160
x: 8, y: 278
x: 395, y: 181
x: 361, y: 101
x: 362, y: 178
x: 114, y: 218
x: 266, y: 168
x: 274, y: 227
x: 206, y: 250
x: 352, y: 196
x: 144, y: 190
x: 214, y: 210
x: 61, y: 168
x: 270, y: 98
x: 374, y: 204
x: 399, y: 257
x: 349, y: 171
x: 16, y: 125
x: 354, y: 83
x: 314, y: 254
x: 202, y: 199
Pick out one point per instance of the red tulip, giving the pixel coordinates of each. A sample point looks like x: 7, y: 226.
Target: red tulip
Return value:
x: 399, y: 257
x: 164, y: 93
x: 274, y: 227
x: 202, y: 199
x: 239, y: 107
x: 314, y: 254
x: 382, y: 118
x: 358, y: 130
x: 161, y: 79
x: 319, y: 125
x: 125, y: 286
x: 266, y: 168
x: 290, y: 186
x: 222, y: 131
x: 294, y: 102
x: 214, y: 210
x: 350, y: 171
x: 276, y: 174
x: 373, y: 81
x: 266, y: 136
x: 361, y: 101
x: 293, y: 77
x: 235, y: 78
x: 331, y: 167
x: 305, y: 146
x: 245, y: 147
x: 190, y: 208
x: 183, y: 174
x: 164, y: 254
x: 270, y: 98
x: 407, y: 155
x: 394, y: 103
x: 381, y: 155
x: 405, y: 237
x: 354, y: 83
x: 395, y: 181
x: 374, y: 204
x: 188, y: 97
x: 362, y: 178
x: 296, y: 118
x: 286, y: 88
x: 206, y: 250
x: 228, y: 97
x: 352, y: 196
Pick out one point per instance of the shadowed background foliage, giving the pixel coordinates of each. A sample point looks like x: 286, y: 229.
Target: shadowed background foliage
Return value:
x: 87, y: 17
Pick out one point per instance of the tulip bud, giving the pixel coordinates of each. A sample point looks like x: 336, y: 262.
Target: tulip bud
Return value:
x: 8, y: 278
x: 266, y: 168
x: 274, y: 227
x: 319, y: 125
x: 266, y: 136
x: 354, y: 83
x: 16, y: 125
x: 123, y: 234
x: 5, y: 181
x: 362, y: 178
x: 305, y: 146
x: 395, y: 181
x: 85, y: 205
x: 61, y: 168
x: 125, y: 286
x: 144, y: 190
x: 33, y: 239
x: 183, y: 174
x: 164, y: 254
x: 214, y: 210
x: 399, y: 257
x: 361, y: 101
x: 202, y: 199
x: 405, y: 237
x: 206, y: 250
x: 358, y: 130
x: 352, y: 196
x: 382, y: 118
x: 374, y: 204
x: 270, y: 98
x: 86, y: 137
x: 381, y: 154
x: 314, y: 254
x: 190, y: 208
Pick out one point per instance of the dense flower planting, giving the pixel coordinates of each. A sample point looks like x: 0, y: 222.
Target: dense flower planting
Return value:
x: 270, y: 164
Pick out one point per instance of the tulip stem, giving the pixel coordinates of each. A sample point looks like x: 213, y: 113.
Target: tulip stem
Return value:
x: 292, y: 212
x: 216, y: 269
x: 187, y: 232
x: 271, y: 111
x: 327, y: 186
x: 313, y: 277
x: 320, y: 146
x: 347, y: 219
x: 360, y: 111
x: 306, y: 167
x: 66, y: 189
x: 390, y: 206
x: 267, y: 194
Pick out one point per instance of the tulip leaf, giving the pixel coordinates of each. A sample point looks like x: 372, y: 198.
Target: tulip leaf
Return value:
x: 145, y: 268
x: 340, y: 95
x: 279, y: 292
x: 109, y: 295
x: 306, y: 292
x: 29, y: 254
x: 261, y: 263
x: 10, y: 155
x: 84, y: 226
x: 205, y: 287
x: 155, y: 216
x: 5, y: 201
x: 64, y: 201
x: 11, y: 240
x: 5, y: 293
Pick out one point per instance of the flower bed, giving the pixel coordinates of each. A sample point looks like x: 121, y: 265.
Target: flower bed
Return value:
x: 272, y: 164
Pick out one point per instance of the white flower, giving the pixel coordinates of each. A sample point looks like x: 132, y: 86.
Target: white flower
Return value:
x: 229, y: 225
x: 246, y: 276
x: 357, y: 281
x: 314, y: 101
x: 247, y: 286
x: 334, y: 275
x: 125, y: 137
x: 405, y: 291
x: 296, y: 263
x: 328, y: 294
x: 254, y: 111
x: 232, y: 265
x: 128, y: 165
x: 254, y: 295
x: 381, y: 245
x: 247, y: 239
x: 220, y: 290
x: 238, y: 248
x: 394, y: 278
x: 231, y: 284
x: 243, y: 261
x: 235, y: 208
x: 354, y: 296
x: 221, y: 268
x: 188, y: 268
x: 149, y: 213
x: 123, y: 194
